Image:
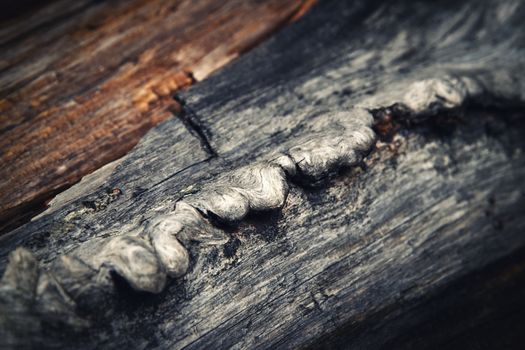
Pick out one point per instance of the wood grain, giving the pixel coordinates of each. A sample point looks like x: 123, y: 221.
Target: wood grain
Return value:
x: 421, y: 247
x: 81, y: 82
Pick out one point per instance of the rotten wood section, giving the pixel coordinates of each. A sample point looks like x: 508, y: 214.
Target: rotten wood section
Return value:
x: 82, y: 81
x: 423, y: 247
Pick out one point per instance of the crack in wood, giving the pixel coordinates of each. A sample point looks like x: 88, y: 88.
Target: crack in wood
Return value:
x: 195, y: 127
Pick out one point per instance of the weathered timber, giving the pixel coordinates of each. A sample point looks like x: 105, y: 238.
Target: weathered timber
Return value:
x: 365, y: 257
x: 82, y: 81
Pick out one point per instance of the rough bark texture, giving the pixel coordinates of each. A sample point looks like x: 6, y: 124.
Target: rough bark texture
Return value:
x: 82, y: 81
x: 420, y: 246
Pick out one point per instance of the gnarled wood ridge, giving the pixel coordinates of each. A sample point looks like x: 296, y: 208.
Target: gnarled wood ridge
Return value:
x: 408, y: 63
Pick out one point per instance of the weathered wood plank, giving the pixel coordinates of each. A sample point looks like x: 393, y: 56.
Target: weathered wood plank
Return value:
x: 82, y: 81
x: 352, y: 260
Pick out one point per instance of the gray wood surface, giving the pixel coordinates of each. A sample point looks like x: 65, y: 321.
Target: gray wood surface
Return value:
x: 357, y: 259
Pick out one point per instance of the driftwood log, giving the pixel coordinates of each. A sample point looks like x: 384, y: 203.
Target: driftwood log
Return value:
x: 354, y: 182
